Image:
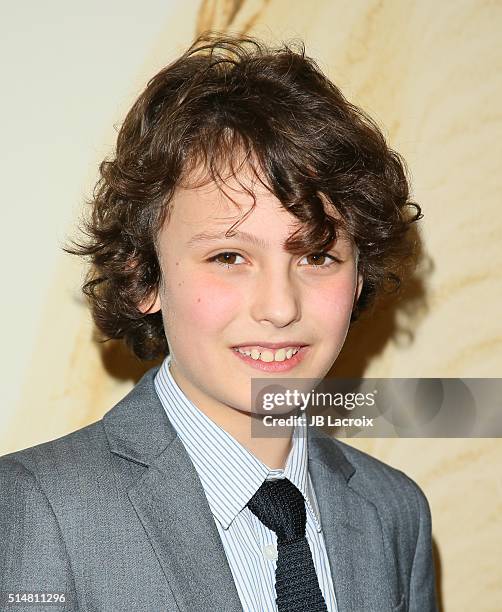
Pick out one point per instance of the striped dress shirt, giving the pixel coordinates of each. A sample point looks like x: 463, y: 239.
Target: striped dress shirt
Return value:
x: 230, y: 475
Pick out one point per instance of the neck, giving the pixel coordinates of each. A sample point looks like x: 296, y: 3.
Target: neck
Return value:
x: 272, y: 451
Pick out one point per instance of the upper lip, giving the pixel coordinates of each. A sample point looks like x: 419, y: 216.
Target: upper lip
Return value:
x: 270, y: 345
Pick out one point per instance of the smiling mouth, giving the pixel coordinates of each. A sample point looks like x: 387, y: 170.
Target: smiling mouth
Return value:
x: 272, y: 360
x: 268, y: 355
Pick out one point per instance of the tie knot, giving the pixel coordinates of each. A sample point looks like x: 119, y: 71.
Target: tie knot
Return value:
x: 280, y: 506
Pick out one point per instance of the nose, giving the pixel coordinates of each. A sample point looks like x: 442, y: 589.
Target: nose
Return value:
x: 276, y: 298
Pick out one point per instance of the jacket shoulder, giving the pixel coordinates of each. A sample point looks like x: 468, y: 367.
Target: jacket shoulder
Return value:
x: 81, y: 450
x: 396, y: 496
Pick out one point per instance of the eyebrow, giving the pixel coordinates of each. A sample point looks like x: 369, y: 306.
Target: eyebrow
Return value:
x: 212, y: 237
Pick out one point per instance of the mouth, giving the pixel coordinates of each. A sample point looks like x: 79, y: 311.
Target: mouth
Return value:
x: 281, y: 358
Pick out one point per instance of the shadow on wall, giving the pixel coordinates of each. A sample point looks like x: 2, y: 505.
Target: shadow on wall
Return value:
x: 393, y: 318
x: 439, y: 576
x: 120, y: 363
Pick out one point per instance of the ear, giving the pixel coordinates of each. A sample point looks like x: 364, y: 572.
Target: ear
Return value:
x: 150, y: 304
x: 360, y: 282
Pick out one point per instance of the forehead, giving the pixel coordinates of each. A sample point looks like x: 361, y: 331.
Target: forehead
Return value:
x: 216, y: 205
x: 202, y: 211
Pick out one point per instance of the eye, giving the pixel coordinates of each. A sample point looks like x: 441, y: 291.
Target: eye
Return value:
x: 318, y: 260
x: 228, y: 258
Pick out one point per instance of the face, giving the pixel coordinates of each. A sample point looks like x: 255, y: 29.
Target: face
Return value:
x: 247, y: 291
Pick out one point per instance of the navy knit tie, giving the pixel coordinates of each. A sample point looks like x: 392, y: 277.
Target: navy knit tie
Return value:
x: 280, y: 506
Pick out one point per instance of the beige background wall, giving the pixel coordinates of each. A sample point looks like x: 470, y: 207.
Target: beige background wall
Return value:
x: 428, y: 72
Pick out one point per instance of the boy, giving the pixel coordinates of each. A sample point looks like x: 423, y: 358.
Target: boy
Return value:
x: 249, y: 215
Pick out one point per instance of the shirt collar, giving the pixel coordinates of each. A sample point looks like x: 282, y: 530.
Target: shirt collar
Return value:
x: 230, y: 474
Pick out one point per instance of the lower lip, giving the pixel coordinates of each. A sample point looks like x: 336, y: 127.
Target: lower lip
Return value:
x: 273, y: 366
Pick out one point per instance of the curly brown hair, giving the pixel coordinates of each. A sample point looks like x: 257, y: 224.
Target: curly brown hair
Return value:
x: 295, y: 128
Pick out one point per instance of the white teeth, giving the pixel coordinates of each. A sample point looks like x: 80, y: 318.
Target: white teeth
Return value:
x: 280, y: 355
x: 268, y: 355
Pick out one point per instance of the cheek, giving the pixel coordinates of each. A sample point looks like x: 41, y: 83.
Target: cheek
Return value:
x: 332, y: 302
x: 203, y: 301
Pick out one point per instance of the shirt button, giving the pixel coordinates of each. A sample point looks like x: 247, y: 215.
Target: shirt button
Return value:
x: 270, y: 552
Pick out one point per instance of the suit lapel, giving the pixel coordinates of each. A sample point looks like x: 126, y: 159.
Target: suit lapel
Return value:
x: 351, y: 528
x: 170, y: 503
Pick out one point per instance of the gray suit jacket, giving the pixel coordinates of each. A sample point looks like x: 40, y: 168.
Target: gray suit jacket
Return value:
x: 115, y: 516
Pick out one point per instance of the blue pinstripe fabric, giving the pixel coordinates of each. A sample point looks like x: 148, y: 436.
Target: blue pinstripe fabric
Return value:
x: 230, y: 476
